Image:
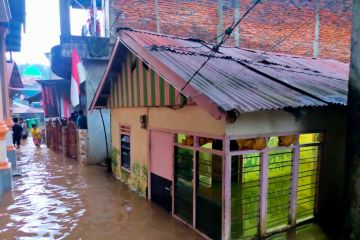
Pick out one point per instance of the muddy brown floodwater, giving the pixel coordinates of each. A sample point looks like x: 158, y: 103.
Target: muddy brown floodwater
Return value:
x: 56, y: 198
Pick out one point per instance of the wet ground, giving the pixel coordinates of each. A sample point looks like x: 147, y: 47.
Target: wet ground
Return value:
x: 56, y: 198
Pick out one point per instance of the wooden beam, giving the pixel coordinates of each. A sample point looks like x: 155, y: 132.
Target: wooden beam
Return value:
x: 294, y: 182
x: 264, y: 166
x: 226, y: 223
x: 196, y: 144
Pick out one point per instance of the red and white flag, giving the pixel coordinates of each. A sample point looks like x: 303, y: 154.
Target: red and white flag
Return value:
x: 78, y: 76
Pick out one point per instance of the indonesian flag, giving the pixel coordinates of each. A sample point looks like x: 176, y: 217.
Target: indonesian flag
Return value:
x: 78, y: 76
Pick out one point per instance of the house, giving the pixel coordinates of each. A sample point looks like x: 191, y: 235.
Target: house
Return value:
x: 23, y: 98
x: 94, y: 53
x: 12, y: 17
x: 252, y: 145
x: 60, y: 136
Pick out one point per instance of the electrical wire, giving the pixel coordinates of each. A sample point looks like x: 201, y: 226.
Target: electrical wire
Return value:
x: 246, y: 65
x: 232, y: 27
x: 225, y: 35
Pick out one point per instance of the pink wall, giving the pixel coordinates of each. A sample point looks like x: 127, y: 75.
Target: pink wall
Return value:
x: 162, y: 148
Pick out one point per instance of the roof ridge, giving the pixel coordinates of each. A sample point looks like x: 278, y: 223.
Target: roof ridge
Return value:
x: 231, y: 58
x: 160, y: 34
x: 279, y: 54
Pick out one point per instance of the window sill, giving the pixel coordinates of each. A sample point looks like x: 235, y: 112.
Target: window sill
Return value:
x: 125, y: 169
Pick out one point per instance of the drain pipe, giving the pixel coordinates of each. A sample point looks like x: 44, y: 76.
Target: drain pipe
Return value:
x: 106, y: 143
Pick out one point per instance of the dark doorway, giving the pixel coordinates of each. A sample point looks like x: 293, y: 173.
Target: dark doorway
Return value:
x: 161, y: 191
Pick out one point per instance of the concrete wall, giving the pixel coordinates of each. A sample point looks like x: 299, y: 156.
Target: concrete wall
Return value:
x: 331, y: 121
x: 189, y: 118
x: 96, y: 135
x: 2, y: 75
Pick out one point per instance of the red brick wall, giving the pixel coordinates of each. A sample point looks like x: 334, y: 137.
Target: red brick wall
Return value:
x: 267, y: 24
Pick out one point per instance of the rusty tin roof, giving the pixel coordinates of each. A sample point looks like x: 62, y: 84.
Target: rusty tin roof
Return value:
x: 236, y: 78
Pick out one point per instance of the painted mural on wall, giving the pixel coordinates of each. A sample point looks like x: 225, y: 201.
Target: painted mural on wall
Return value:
x: 136, y: 178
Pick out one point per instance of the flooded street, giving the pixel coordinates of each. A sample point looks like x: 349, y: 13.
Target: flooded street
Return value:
x: 56, y: 198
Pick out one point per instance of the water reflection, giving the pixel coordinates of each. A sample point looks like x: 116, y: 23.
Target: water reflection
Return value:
x: 56, y: 198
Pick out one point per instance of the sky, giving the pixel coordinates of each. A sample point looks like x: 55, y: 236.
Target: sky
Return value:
x: 43, y: 30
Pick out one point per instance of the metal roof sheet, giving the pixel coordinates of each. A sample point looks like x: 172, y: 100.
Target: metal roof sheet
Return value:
x: 13, y: 77
x: 271, y: 80
x: 219, y: 81
x: 13, y: 38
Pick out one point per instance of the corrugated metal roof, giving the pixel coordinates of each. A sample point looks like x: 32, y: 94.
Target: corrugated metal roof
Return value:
x: 13, y: 77
x: 85, y: 3
x: 5, y: 14
x: 18, y: 108
x: 270, y: 80
x: 13, y: 38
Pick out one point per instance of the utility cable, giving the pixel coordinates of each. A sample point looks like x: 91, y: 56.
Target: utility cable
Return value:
x: 246, y: 65
x: 225, y: 35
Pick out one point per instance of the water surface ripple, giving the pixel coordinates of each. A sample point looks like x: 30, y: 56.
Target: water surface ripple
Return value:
x: 56, y: 198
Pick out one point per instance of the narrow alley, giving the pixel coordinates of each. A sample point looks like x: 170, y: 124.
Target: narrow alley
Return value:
x: 56, y: 198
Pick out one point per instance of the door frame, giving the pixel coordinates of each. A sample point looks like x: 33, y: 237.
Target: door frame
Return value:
x: 150, y: 161
x: 226, y: 175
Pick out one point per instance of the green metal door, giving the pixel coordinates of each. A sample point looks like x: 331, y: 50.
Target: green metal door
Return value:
x: 183, y: 184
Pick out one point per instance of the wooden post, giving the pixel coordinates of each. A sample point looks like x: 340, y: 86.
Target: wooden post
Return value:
x: 173, y: 178
x: 195, y: 146
x: 264, y: 166
x: 149, y: 163
x: 226, y: 225
x: 294, y: 182
x: 352, y: 163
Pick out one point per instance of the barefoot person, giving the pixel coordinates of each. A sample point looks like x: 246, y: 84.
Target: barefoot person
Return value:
x: 36, y: 134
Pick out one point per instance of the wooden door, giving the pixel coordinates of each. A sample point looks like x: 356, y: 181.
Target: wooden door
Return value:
x: 161, y: 167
